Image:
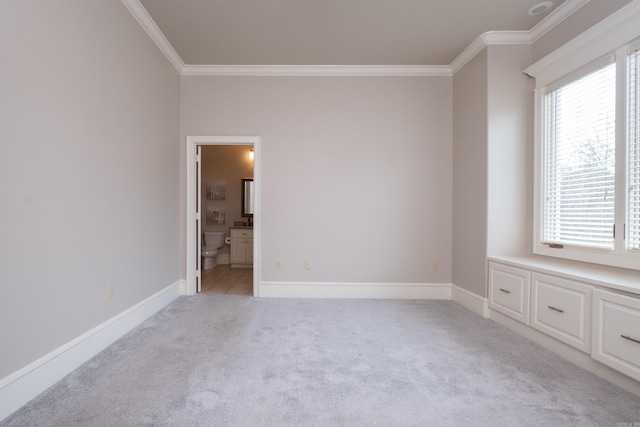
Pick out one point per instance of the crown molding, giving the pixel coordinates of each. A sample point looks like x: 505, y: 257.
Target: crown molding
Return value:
x: 563, y: 11
x: 318, y: 70
x: 505, y: 37
x: 152, y: 29
x: 486, y: 39
x: 599, y: 40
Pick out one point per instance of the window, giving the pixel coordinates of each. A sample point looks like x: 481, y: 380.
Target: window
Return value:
x: 588, y: 165
x: 579, y: 163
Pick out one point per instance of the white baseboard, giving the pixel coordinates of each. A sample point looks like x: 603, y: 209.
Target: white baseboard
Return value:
x: 470, y: 301
x: 355, y: 290
x: 23, y: 385
x: 573, y: 355
x: 182, y: 286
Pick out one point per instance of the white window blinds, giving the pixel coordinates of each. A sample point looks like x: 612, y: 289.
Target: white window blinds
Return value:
x: 633, y: 202
x: 579, y: 156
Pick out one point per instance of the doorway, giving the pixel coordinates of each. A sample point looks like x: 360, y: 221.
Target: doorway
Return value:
x: 197, y: 210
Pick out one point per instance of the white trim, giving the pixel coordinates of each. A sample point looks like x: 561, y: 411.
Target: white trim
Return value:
x: 149, y: 25
x: 558, y: 15
x: 192, y: 238
x: 439, y: 291
x: 486, y: 39
x: 538, y: 134
x: 619, y: 28
x: 25, y: 384
x: 468, y: 54
x: 470, y: 301
x: 505, y: 37
x: 319, y: 70
x: 563, y: 11
x: 182, y: 287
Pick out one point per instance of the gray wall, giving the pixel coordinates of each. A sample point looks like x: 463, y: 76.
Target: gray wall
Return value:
x: 510, y: 150
x: 356, y: 172
x: 470, y: 174
x: 89, y: 125
x: 492, y: 157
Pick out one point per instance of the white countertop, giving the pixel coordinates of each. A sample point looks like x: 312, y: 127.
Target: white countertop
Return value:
x: 608, y: 277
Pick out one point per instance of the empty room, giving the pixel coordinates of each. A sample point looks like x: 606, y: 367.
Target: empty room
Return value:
x: 320, y: 213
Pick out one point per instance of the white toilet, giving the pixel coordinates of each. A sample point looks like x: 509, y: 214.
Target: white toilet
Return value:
x: 211, y: 243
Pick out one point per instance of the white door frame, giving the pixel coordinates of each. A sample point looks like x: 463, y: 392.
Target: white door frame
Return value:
x: 192, y: 230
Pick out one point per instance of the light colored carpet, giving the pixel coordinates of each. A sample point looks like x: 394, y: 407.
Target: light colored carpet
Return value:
x: 226, y: 360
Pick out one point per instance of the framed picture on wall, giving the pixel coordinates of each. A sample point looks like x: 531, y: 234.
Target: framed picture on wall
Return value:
x: 215, y: 215
x: 216, y: 190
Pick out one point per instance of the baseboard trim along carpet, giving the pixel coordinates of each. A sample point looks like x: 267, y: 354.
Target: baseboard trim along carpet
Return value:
x: 23, y: 385
x: 355, y: 290
x: 470, y: 301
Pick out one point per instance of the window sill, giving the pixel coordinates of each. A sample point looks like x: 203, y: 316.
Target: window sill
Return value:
x: 590, y: 257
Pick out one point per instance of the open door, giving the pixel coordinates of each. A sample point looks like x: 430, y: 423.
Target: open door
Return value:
x: 199, y: 217
x: 195, y: 216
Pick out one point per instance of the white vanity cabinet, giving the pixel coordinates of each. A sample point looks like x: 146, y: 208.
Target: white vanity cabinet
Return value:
x: 241, y: 248
x: 509, y: 291
x: 616, y: 331
x: 562, y: 308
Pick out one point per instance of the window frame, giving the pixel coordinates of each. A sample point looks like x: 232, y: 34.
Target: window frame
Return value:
x: 619, y: 256
x: 633, y: 49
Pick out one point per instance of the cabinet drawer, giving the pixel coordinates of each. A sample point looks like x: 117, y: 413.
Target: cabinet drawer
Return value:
x: 235, y: 232
x: 562, y: 308
x: 616, y: 331
x: 509, y: 291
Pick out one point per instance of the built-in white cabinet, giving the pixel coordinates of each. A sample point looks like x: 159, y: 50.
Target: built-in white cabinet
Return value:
x: 562, y: 308
x: 241, y: 248
x: 509, y: 291
x: 593, y: 310
x: 616, y: 331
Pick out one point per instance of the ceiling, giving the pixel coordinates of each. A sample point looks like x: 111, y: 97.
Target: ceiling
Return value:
x: 333, y: 32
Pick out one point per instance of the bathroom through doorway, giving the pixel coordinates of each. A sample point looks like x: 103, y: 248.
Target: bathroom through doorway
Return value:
x: 222, y: 231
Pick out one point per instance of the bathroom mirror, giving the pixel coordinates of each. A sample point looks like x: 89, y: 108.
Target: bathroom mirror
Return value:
x: 247, y: 197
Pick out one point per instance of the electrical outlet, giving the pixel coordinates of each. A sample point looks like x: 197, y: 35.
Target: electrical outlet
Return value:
x: 278, y: 265
x: 109, y: 291
x: 307, y: 265
x: 435, y: 266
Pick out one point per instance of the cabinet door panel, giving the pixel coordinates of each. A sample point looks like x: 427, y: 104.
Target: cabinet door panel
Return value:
x: 509, y: 291
x: 561, y: 308
x: 616, y: 323
x: 238, y: 250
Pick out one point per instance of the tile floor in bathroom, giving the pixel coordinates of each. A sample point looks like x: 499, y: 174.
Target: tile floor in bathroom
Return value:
x: 222, y: 279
